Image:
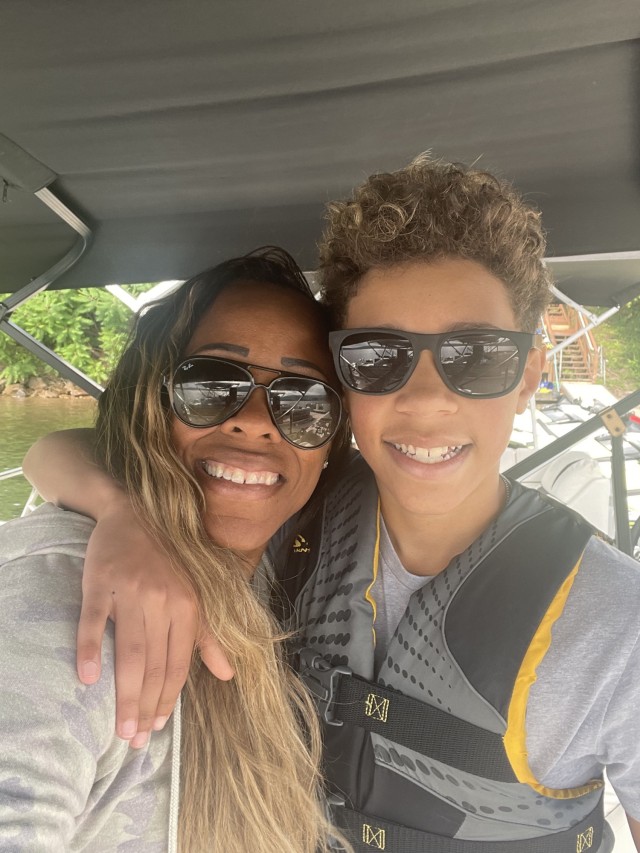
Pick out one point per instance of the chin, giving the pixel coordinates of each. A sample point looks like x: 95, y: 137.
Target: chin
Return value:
x: 243, y: 536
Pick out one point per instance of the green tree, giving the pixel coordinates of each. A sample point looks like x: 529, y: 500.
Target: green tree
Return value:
x: 88, y: 327
x: 620, y: 339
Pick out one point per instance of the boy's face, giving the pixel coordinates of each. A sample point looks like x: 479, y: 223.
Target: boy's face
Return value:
x: 465, y: 437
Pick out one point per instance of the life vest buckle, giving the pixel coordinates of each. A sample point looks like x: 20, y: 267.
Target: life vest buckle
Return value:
x: 322, y: 681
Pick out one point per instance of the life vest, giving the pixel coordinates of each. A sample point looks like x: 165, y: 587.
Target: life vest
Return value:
x: 429, y: 753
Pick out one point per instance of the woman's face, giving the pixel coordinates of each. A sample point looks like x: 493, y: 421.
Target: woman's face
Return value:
x: 254, y: 323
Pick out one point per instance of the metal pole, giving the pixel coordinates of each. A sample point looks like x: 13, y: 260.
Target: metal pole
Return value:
x: 619, y: 485
x: 616, y: 428
x: 68, y: 371
x: 534, y: 423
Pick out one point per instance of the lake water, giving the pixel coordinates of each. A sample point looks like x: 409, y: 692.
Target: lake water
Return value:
x: 22, y: 421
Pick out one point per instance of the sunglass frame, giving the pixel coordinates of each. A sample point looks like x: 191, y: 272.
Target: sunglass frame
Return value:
x: 169, y: 383
x: 524, y: 342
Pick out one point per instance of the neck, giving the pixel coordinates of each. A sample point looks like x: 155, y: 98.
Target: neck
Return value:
x: 426, y: 544
x: 251, y: 561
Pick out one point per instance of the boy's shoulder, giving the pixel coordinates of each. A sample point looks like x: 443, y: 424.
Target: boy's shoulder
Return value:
x: 612, y: 569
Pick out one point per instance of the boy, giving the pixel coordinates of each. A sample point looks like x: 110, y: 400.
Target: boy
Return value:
x: 509, y: 630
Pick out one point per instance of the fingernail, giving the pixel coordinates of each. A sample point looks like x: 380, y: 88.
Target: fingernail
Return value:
x: 89, y: 670
x: 139, y: 740
x: 128, y: 729
x: 159, y: 723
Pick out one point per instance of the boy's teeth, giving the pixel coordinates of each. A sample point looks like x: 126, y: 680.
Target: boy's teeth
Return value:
x: 239, y: 475
x: 429, y: 455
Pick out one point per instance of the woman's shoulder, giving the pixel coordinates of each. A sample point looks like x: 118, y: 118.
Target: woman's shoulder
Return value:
x: 47, y: 530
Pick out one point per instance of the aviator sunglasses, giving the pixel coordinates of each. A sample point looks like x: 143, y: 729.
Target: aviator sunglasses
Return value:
x: 205, y: 391
x: 479, y: 363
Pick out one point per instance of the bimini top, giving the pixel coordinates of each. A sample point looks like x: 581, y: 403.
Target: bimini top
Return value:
x: 188, y: 132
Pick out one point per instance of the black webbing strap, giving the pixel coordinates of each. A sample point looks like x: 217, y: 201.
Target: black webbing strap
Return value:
x: 423, y: 728
x: 369, y: 833
x: 346, y: 698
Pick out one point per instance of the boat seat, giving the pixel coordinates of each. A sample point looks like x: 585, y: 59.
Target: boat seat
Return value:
x: 575, y: 479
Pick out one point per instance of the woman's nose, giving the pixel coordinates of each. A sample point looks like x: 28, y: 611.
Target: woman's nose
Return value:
x: 253, y: 419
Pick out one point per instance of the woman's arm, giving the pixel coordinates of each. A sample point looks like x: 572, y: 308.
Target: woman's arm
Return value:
x: 128, y: 579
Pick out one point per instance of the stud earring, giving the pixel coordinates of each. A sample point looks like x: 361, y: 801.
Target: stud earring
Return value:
x: 325, y: 464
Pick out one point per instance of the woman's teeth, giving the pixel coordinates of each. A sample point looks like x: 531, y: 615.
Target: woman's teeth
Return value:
x: 239, y: 475
x: 429, y: 455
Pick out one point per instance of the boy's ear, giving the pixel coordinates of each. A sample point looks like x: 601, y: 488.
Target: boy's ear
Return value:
x: 536, y: 361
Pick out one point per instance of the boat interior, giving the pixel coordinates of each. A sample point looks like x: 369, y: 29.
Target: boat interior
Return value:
x: 146, y: 141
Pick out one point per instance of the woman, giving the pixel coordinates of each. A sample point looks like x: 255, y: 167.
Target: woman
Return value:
x: 218, y: 423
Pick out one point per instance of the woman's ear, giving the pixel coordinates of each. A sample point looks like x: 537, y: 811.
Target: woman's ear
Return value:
x: 536, y: 361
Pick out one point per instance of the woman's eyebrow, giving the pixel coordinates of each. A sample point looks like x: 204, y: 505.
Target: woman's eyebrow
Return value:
x: 234, y: 348
x: 285, y: 361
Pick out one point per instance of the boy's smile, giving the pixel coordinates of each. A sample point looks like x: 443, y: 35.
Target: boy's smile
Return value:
x: 434, y: 451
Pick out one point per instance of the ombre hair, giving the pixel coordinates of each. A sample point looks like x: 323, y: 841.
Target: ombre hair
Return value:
x: 250, y: 746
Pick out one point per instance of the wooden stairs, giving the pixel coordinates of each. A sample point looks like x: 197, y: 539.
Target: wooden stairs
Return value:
x: 579, y: 361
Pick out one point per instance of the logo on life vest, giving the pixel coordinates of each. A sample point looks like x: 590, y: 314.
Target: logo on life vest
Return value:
x: 300, y: 545
x: 373, y: 836
x: 584, y: 840
x: 376, y: 707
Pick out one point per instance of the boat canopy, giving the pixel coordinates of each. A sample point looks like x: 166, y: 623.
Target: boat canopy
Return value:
x: 184, y: 133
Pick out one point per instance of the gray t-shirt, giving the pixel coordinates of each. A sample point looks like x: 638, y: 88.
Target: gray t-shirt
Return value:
x: 67, y: 783
x: 583, y: 713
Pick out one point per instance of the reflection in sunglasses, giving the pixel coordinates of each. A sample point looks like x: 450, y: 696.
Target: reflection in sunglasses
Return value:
x: 481, y: 363
x: 205, y: 392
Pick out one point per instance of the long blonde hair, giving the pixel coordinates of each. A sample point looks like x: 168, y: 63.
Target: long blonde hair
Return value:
x: 250, y: 746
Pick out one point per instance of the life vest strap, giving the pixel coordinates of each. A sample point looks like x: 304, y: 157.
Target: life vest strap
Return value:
x: 345, y: 698
x: 370, y: 833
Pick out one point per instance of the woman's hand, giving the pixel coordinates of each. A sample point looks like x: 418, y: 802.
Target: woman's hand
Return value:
x: 129, y: 580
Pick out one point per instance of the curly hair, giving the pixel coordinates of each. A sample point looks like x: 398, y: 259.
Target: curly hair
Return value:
x: 429, y: 211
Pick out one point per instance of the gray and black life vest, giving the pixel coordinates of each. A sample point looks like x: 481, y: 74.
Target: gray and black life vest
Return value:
x: 429, y: 753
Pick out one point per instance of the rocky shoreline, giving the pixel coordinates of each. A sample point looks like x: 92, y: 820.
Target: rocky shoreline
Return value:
x: 41, y: 386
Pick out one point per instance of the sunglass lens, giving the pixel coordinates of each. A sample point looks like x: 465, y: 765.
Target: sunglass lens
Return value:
x: 206, y: 393
x: 375, y: 365
x: 481, y: 365
x: 307, y: 413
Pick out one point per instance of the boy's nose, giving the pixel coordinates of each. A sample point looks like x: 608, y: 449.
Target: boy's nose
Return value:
x: 425, y: 392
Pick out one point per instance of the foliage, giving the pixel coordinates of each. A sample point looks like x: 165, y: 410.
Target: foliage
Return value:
x: 620, y: 339
x: 87, y: 327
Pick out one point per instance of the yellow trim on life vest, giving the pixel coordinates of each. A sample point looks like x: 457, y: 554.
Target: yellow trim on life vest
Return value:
x: 376, y: 560
x: 515, y: 737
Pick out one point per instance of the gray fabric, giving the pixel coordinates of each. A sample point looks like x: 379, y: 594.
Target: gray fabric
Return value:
x: 392, y: 591
x: 582, y: 714
x: 67, y: 783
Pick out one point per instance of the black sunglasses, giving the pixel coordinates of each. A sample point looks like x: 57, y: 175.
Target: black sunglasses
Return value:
x: 478, y: 363
x: 205, y: 391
